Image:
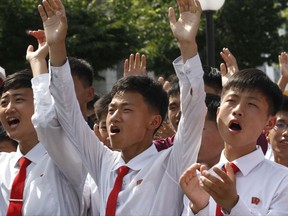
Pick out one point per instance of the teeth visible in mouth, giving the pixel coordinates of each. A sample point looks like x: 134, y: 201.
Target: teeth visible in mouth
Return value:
x: 13, y: 121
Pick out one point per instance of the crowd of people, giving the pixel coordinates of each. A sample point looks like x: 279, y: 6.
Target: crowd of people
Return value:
x: 204, y: 142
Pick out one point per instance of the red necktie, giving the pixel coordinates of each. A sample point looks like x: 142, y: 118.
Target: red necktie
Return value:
x: 16, y: 195
x: 112, y: 199
x: 235, y: 169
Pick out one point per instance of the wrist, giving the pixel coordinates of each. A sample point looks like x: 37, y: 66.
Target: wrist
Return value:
x: 188, y: 50
x: 196, y: 208
x: 230, y: 207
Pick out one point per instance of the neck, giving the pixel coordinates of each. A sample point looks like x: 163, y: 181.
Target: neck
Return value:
x: 26, y: 145
x: 234, y: 152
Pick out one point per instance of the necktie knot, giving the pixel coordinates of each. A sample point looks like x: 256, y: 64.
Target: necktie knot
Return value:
x: 24, y: 162
x: 123, y: 170
x: 234, y: 167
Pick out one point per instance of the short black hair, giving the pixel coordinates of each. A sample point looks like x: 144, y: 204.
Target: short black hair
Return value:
x: 212, y: 78
x: 81, y: 69
x: 152, y: 91
x: 252, y: 80
x: 212, y: 102
x: 174, y: 88
x: 284, y: 105
x: 101, y: 106
x: 19, y: 79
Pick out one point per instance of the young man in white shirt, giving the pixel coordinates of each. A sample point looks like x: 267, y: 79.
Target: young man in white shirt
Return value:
x: 260, y: 186
x: 47, y: 191
x: 151, y: 185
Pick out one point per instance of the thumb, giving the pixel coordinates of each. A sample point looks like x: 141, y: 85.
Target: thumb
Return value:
x: 172, y: 18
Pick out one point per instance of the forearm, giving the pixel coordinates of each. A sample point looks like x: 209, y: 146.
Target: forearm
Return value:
x: 57, y: 54
x: 188, y: 50
x: 282, y: 83
x: 38, y: 67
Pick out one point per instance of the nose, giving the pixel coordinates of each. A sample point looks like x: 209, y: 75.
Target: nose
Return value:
x: 9, y: 108
x: 115, y: 117
x: 238, y: 111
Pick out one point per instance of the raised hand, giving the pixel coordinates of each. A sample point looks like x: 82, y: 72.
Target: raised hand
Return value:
x: 42, y: 51
x: 283, y: 63
x: 186, y: 27
x: 135, y: 66
x: 230, y: 66
x: 37, y: 58
x: 166, y: 84
x: 55, y: 25
x: 54, y: 20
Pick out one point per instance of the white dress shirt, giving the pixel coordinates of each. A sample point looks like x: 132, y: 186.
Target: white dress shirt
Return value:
x: 50, y: 132
x: 151, y: 186
x: 46, y: 190
x: 262, y: 186
x: 269, y: 153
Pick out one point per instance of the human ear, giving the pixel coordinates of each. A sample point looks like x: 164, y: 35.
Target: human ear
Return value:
x: 90, y: 93
x: 155, y: 122
x: 270, y: 123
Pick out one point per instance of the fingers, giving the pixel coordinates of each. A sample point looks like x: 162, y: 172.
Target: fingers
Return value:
x: 48, y: 9
x: 172, y: 18
x: 42, y: 13
x: 194, y: 6
x: 189, y: 174
x: 283, y: 57
x: 137, y: 61
x: 126, y: 66
x: 223, y: 69
x: 131, y: 62
x: 143, y: 61
x: 136, y: 65
x: 166, y: 85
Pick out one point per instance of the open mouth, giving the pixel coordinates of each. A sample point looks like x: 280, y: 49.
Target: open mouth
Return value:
x: 114, y: 129
x: 284, y: 141
x: 13, y: 121
x: 234, y: 126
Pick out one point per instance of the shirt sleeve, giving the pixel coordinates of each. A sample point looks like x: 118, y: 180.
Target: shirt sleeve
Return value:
x: 193, y: 111
x: 69, y: 115
x: 52, y: 136
x: 188, y: 212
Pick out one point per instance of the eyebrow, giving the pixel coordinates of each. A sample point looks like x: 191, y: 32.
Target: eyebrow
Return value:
x: 249, y: 97
x: 14, y: 95
x: 121, y: 104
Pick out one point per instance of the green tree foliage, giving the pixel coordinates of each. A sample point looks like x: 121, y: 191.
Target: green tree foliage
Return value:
x: 16, y: 18
x: 250, y: 29
x: 106, y: 33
